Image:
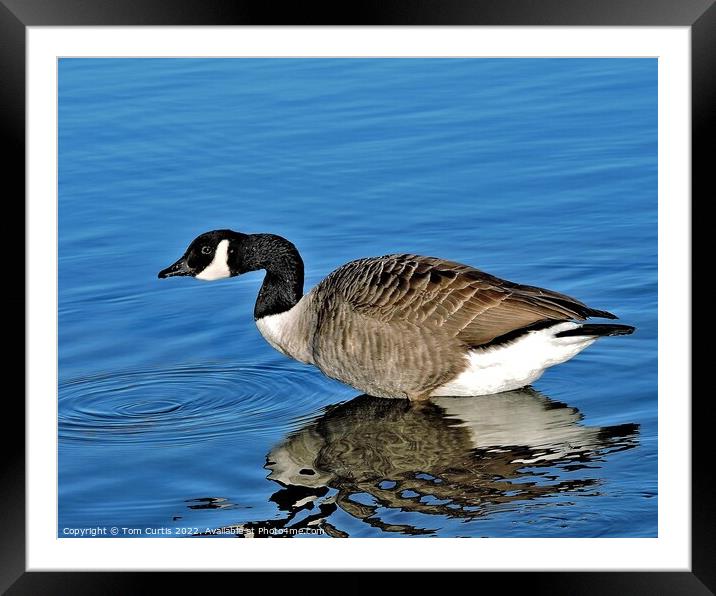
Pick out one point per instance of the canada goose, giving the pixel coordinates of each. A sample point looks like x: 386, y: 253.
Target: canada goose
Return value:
x: 453, y: 456
x: 402, y: 325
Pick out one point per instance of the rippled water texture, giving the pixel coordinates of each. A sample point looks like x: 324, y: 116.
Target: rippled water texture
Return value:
x: 175, y: 416
x: 181, y: 405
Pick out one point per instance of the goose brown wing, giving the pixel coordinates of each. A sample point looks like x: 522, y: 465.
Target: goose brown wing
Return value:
x: 467, y: 303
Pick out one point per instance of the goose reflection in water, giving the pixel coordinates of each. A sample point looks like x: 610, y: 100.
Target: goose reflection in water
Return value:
x: 458, y: 457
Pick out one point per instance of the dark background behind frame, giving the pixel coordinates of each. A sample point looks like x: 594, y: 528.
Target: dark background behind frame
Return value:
x: 15, y: 15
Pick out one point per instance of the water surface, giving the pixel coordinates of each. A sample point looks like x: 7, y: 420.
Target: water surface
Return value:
x: 173, y: 412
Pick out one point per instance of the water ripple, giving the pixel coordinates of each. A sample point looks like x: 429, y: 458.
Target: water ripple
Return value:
x: 182, y: 405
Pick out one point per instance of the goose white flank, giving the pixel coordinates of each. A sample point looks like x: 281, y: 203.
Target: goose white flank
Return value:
x: 402, y: 325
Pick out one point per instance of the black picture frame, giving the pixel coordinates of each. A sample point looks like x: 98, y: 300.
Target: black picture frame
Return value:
x: 17, y: 15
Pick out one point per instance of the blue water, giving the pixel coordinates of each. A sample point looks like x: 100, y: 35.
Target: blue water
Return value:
x: 176, y: 416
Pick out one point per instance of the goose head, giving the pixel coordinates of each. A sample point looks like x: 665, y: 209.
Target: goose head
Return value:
x: 224, y: 253
x: 210, y: 256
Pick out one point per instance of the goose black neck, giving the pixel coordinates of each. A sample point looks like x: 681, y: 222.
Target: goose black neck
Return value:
x: 283, y: 284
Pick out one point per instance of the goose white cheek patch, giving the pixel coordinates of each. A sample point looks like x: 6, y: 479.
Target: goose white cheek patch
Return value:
x: 219, y: 266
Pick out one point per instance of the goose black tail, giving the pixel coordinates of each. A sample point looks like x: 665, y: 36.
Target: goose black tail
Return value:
x: 596, y: 330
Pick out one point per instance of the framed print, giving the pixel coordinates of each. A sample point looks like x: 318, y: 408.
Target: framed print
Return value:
x: 485, y: 424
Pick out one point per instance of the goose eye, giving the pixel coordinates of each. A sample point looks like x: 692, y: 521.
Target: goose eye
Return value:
x: 205, y: 250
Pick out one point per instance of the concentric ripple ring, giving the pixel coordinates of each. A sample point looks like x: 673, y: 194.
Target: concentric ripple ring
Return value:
x: 182, y: 405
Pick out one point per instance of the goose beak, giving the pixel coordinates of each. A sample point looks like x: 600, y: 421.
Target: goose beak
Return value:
x: 179, y: 268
